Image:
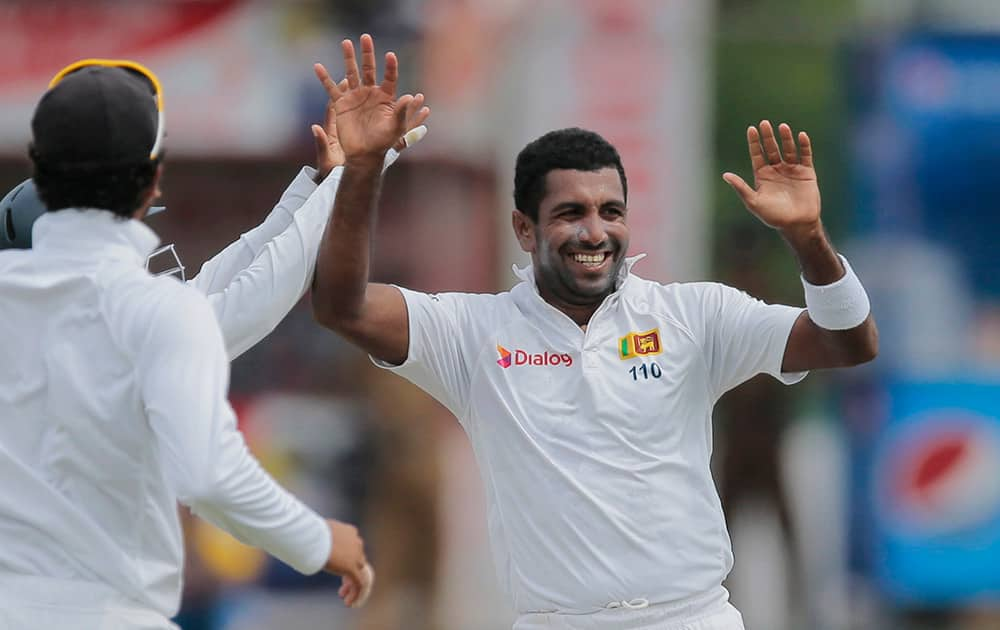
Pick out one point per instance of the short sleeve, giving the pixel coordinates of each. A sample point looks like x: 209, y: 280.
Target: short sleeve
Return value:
x: 744, y: 337
x: 440, y: 332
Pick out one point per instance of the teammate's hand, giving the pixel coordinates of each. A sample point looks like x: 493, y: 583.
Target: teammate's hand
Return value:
x: 329, y: 153
x: 370, y: 119
x: 347, y: 559
x: 785, y: 194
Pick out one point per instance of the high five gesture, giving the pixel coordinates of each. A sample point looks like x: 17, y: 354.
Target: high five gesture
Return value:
x: 370, y: 118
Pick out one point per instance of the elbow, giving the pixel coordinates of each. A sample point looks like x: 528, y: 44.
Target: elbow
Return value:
x: 198, y: 492
x: 331, y: 309
x: 866, y: 350
x: 328, y: 315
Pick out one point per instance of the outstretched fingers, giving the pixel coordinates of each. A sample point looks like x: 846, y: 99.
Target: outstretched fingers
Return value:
x: 332, y: 89
x: 350, y: 64
x: 788, y: 144
x: 391, y: 74
x: 770, y: 142
x: 805, y: 149
x: 367, y: 60
x: 403, y: 110
x: 757, y: 159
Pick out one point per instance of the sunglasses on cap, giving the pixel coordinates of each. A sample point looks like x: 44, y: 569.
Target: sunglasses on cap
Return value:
x: 132, y: 66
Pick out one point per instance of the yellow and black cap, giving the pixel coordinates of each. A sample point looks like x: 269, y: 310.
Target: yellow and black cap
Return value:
x: 99, y: 113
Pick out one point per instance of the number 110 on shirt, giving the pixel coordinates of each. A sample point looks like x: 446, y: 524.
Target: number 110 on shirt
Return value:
x: 645, y: 371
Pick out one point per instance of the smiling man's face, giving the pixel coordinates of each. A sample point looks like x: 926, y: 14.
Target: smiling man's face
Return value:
x: 579, y: 242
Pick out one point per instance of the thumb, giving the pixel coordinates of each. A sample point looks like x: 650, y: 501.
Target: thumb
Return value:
x: 742, y: 189
x: 319, y: 135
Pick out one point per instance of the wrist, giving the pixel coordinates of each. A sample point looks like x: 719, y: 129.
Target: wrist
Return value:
x: 366, y: 160
x: 818, y: 260
x: 802, y: 234
x: 840, y: 305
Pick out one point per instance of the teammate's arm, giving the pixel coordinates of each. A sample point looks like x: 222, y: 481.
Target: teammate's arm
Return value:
x: 184, y: 375
x: 786, y: 197
x: 369, y: 120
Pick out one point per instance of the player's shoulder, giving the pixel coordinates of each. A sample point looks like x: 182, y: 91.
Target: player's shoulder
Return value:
x: 160, y: 305
x: 474, y: 303
x: 676, y: 293
x: 12, y: 259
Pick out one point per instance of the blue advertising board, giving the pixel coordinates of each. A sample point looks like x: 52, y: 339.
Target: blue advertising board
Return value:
x: 935, y: 493
x: 926, y: 144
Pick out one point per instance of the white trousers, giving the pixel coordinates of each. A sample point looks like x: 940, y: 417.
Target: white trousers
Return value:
x: 717, y: 615
x: 36, y: 603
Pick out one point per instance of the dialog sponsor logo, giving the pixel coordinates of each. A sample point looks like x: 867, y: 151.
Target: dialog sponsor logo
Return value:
x: 509, y: 358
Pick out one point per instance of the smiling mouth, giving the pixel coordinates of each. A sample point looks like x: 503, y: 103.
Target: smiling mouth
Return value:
x: 591, y: 260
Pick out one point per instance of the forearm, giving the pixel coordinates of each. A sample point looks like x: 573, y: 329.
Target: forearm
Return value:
x: 220, y: 270
x: 342, y: 266
x: 816, y: 256
x: 259, y: 296
x: 838, y: 330
x: 246, y: 502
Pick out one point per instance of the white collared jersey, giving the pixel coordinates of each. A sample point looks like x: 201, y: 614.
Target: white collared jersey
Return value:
x: 594, y: 445
x: 112, y: 408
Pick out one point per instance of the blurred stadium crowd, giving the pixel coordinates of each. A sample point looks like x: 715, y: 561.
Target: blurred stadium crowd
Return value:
x: 867, y: 501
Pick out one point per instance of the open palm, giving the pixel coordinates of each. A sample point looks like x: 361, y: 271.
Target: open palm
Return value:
x: 785, y: 192
x: 370, y: 119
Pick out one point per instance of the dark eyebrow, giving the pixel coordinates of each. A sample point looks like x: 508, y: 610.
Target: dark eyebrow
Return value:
x: 566, y: 205
x: 576, y: 205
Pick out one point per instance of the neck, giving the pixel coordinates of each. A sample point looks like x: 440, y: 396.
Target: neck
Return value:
x: 579, y: 313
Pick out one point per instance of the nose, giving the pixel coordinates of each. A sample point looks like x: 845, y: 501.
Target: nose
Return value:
x: 591, y: 229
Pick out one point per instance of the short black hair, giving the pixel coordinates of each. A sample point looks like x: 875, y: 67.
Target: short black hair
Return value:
x: 573, y: 149
x: 120, y: 188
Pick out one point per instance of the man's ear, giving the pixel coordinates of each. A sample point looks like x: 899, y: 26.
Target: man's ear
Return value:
x: 152, y: 193
x: 157, y: 193
x: 524, y: 230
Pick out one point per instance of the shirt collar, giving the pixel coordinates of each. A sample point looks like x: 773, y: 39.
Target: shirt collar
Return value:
x: 99, y: 233
x: 527, y: 273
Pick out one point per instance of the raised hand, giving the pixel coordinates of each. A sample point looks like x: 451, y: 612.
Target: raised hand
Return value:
x: 785, y: 195
x: 369, y: 117
x: 329, y: 153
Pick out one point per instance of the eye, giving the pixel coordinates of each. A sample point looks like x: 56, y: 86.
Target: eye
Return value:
x: 613, y: 211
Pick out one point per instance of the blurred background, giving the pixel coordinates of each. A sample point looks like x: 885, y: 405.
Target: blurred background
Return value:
x: 861, y: 499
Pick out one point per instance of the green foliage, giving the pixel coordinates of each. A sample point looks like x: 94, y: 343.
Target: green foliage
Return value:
x: 778, y: 60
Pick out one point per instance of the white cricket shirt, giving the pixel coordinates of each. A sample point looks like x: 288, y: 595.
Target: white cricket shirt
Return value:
x: 594, y: 446
x: 113, y: 407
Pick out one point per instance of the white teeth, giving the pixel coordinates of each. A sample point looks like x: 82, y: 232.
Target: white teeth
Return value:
x: 589, y: 260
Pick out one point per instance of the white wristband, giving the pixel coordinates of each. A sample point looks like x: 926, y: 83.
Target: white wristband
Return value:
x: 838, y: 306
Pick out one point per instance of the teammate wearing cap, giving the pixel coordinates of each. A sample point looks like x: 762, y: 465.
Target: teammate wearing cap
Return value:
x: 586, y: 390
x: 114, y: 389
x: 256, y: 280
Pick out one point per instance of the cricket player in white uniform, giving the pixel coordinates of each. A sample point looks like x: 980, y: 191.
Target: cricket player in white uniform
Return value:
x: 587, y: 391
x: 113, y: 391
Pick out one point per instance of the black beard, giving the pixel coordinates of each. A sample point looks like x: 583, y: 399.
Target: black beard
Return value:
x: 560, y: 282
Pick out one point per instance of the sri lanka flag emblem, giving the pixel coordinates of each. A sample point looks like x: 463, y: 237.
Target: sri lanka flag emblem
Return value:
x: 639, y: 344
x: 504, y: 360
